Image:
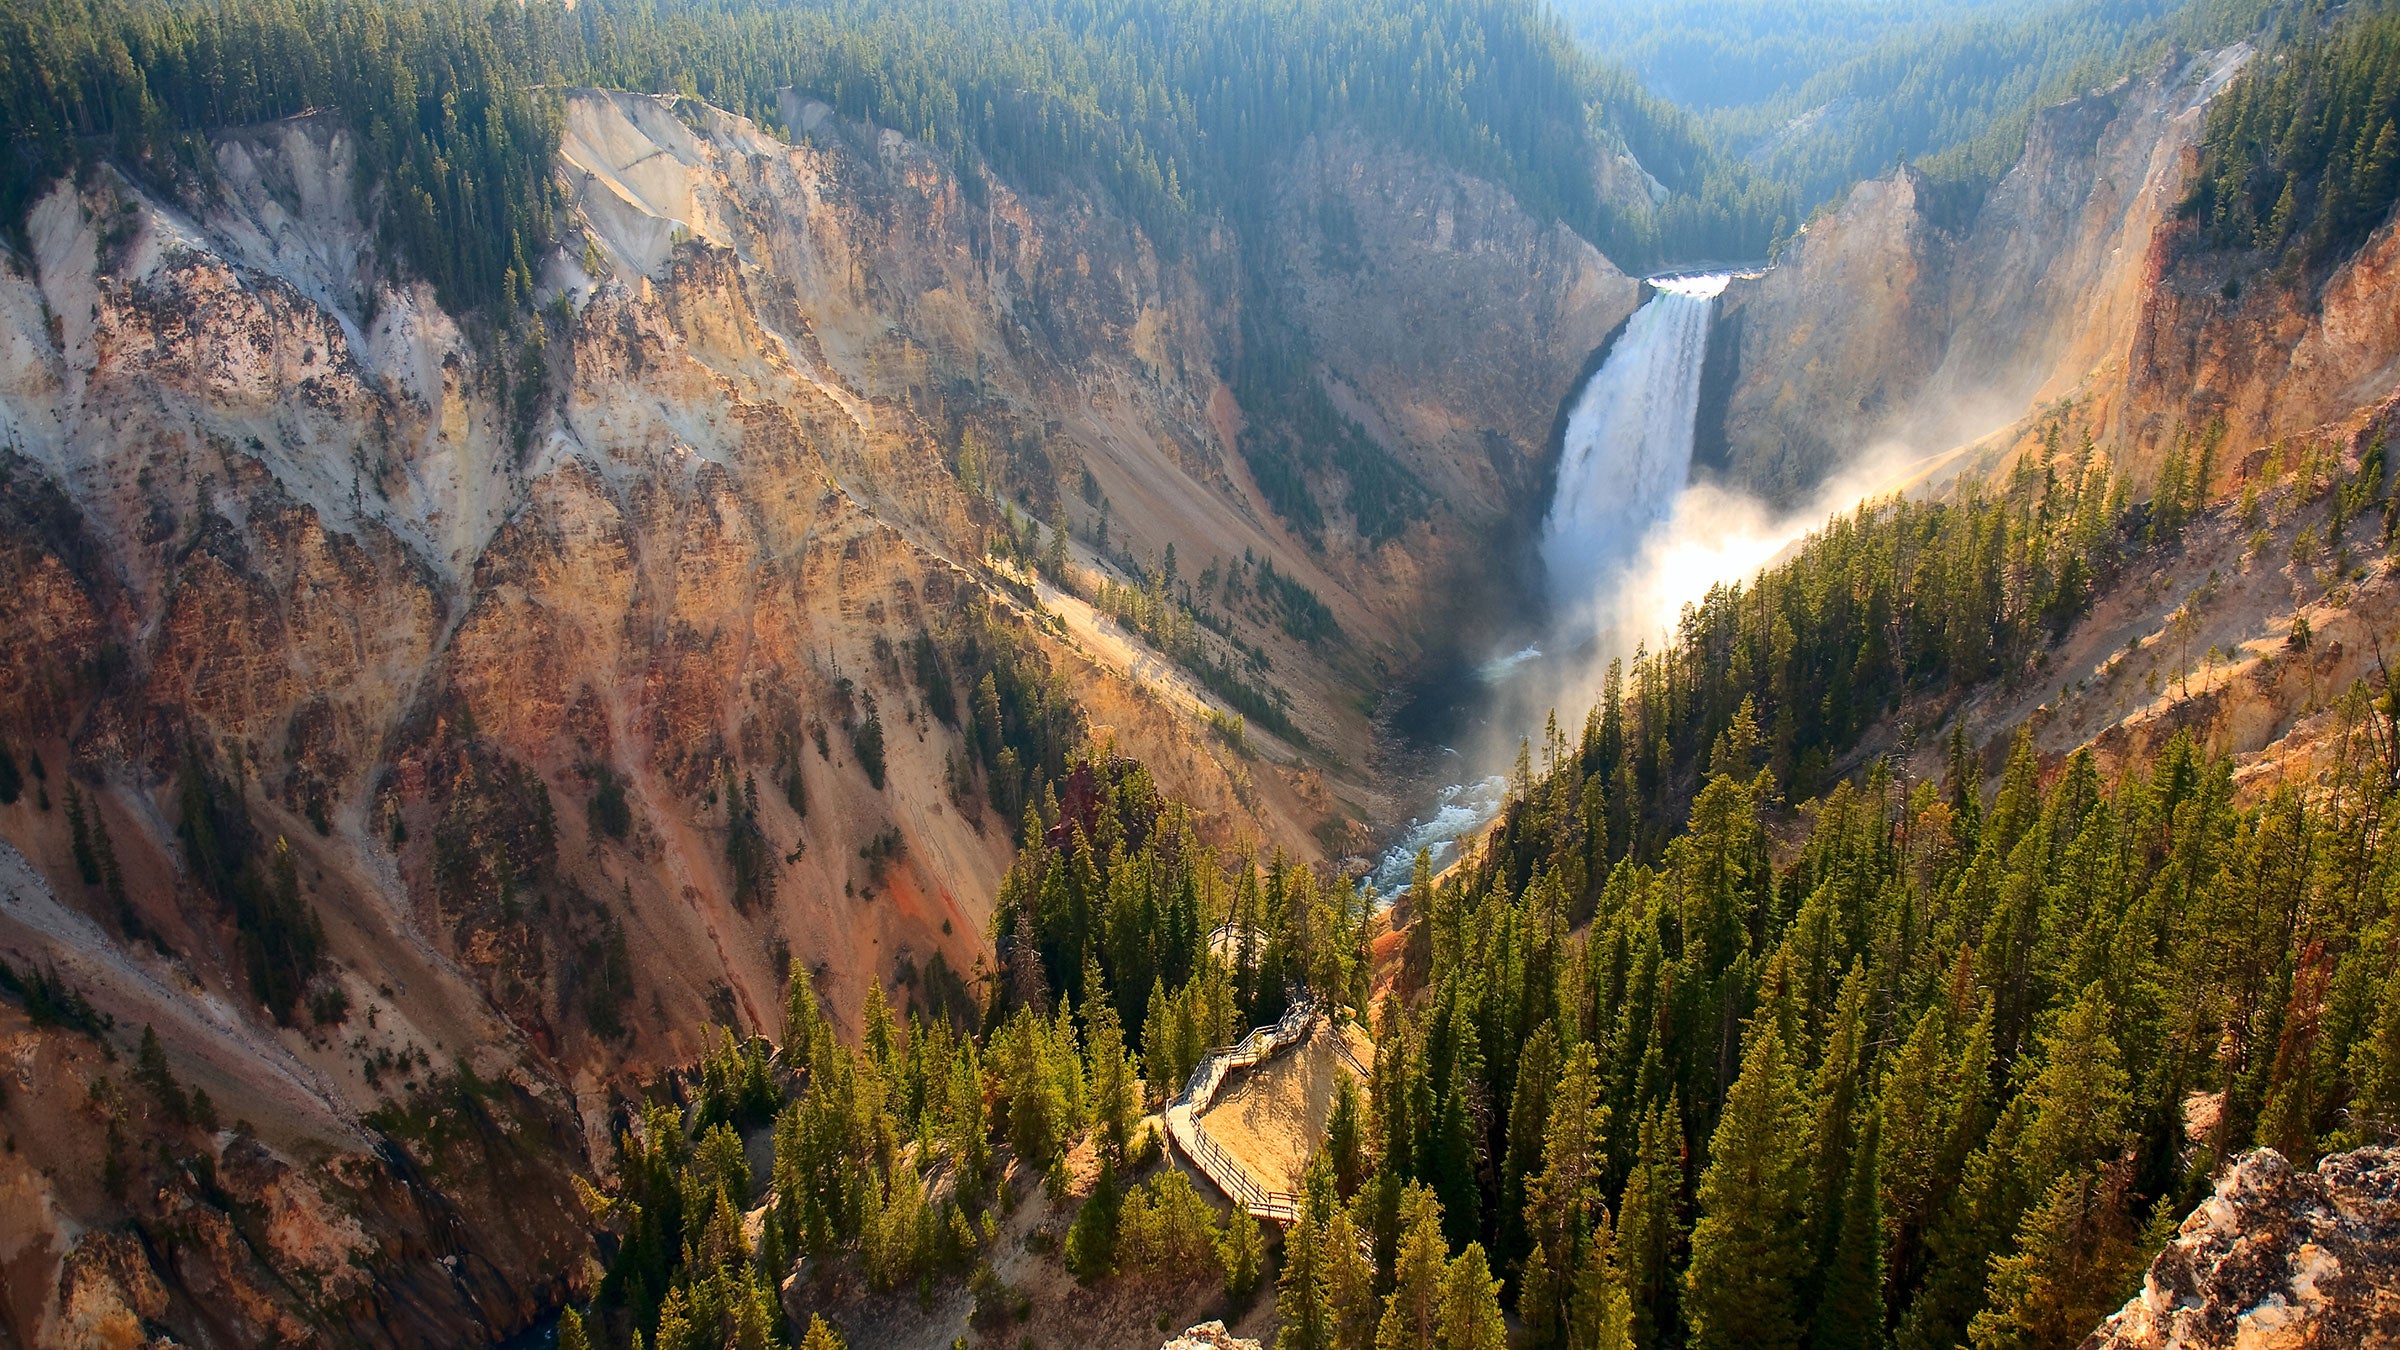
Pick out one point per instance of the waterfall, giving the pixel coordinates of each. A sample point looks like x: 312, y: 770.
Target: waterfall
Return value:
x: 1628, y: 446
x: 1623, y: 464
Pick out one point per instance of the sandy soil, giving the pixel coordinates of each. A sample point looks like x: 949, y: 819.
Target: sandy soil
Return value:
x: 1273, y: 1117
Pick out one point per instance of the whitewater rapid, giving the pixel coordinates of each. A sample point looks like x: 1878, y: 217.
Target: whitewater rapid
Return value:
x: 1624, y: 460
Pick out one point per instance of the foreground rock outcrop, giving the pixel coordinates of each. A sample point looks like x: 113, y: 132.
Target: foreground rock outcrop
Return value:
x: 2277, y: 1259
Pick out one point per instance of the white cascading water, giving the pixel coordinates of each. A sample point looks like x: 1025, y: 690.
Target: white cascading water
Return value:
x: 1628, y: 449
x: 1623, y: 462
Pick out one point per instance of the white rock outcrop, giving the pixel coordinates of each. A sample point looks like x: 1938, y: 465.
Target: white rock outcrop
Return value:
x: 2277, y: 1259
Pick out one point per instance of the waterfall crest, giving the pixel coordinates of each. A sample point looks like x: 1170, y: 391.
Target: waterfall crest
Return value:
x: 1627, y: 451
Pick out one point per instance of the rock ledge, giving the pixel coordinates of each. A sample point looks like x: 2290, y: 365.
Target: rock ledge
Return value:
x: 1209, y: 1336
x: 2277, y: 1259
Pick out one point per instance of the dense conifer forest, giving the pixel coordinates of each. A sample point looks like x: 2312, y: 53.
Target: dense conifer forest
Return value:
x: 2302, y: 156
x: 1172, y: 106
x: 1714, y: 1043
x: 1936, y: 1067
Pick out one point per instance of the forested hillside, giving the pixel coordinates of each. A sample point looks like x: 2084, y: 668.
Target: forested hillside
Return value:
x: 1956, y: 95
x: 1880, y: 1060
x: 1953, y: 1068
x: 1174, y: 107
x: 2302, y: 156
x: 1720, y: 54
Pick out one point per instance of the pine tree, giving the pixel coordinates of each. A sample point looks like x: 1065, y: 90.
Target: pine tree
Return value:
x: 878, y: 1036
x: 2080, y: 1098
x: 1345, y: 1138
x: 803, y: 1022
x: 675, y: 1325
x: 2375, y: 1067
x: 1470, y: 1308
x: 1412, y: 1315
x: 1850, y: 1306
x: 2078, y: 1257
x: 1558, y: 1198
x: 79, y: 831
x: 1601, y: 1314
x: 1650, y: 1226
x: 1749, y: 1249
x: 1162, y: 1074
x: 1091, y: 1248
x: 1303, y: 1296
x: 1349, y: 1285
x: 1974, y: 1226
x: 821, y: 1335
x: 754, y: 1318
x: 1054, y: 556
x: 152, y: 1072
x: 1966, y: 787
x: 1913, y: 1133
x: 1539, y: 1294
x: 570, y: 1331
x: 1528, y: 1116
x: 1113, y: 1103
x: 1238, y: 1252
x: 1836, y: 1093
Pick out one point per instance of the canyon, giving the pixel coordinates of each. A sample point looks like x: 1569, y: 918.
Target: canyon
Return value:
x: 574, y: 694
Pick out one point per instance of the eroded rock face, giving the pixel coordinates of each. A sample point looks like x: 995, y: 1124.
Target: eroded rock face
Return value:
x: 1893, y: 329
x: 2271, y: 359
x: 2277, y: 1259
x: 1391, y: 265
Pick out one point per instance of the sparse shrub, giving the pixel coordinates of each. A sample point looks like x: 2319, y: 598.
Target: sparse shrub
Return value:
x: 991, y: 1295
x: 868, y: 742
x: 328, y: 1003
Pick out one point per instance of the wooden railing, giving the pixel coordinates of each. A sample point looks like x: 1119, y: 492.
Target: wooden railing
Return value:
x: 1341, y: 1047
x: 1200, y: 1092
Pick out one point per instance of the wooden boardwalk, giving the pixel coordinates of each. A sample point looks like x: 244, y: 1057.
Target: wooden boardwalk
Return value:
x: 1184, y: 1112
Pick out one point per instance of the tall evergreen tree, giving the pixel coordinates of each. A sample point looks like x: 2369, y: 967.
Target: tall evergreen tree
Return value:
x: 1650, y: 1229
x: 1470, y: 1306
x: 1412, y: 1315
x: 1750, y: 1247
x: 1849, y: 1312
x: 1601, y: 1314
